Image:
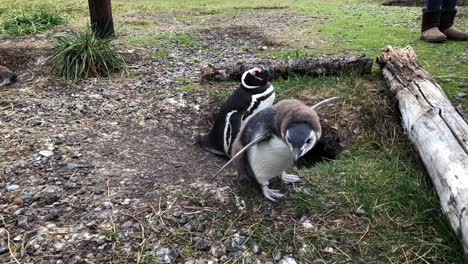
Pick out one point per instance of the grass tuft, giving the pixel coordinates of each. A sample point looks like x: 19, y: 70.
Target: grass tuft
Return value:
x: 79, y: 55
x: 32, y: 21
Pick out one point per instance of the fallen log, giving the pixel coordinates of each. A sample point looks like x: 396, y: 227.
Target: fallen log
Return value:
x: 283, y: 69
x: 438, y: 132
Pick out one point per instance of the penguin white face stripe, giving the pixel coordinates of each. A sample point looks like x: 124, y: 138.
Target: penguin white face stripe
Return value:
x: 228, y: 131
x: 311, y: 144
x: 243, y: 79
x: 255, y: 98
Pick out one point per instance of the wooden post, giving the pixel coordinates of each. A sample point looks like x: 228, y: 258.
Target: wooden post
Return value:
x: 436, y: 129
x: 102, y: 23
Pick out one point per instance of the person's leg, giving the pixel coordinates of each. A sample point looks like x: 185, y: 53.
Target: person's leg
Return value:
x: 430, y: 22
x: 434, y: 5
x: 449, y: 5
x: 447, y: 17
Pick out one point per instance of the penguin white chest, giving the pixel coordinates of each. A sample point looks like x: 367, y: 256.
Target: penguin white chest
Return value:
x: 269, y: 159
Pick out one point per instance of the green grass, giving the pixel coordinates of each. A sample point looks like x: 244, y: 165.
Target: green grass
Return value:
x: 161, y: 53
x: 26, y: 22
x: 403, y: 209
x: 79, y: 55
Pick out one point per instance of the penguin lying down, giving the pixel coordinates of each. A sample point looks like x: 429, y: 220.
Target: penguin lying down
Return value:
x: 254, y: 94
x: 275, y: 138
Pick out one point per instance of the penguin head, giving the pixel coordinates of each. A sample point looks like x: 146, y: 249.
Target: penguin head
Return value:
x: 300, y: 138
x: 255, y: 77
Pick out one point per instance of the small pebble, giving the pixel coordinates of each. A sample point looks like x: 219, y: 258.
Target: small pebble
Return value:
x: 201, y: 243
x: 73, y: 166
x: 22, y: 221
x: 3, y: 250
x: 360, y: 212
x: 59, y: 246
x: 46, y: 153
x: 167, y: 255
x: 288, y: 260
x: 256, y: 249
x: 307, y: 225
x: 18, y: 201
x: 182, y: 220
x: 177, y: 214
x: 235, y: 255
x: 218, y: 250
x: 27, y: 199
x: 329, y: 250
x: 188, y: 227
x: 277, y: 256
x: 219, y: 215
x: 12, y: 188
x: 202, y: 217
x: 201, y: 228
x: 99, y: 191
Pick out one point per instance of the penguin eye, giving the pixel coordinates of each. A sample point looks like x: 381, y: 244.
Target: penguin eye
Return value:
x: 308, y: 141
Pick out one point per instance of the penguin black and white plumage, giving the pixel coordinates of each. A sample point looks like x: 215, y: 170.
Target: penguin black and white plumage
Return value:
x: 6, y: 76
x: 275, y: 138
x: 254, y: 94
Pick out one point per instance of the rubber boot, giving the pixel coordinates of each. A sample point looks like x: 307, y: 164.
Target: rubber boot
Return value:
x: 446, y: 26
x: 430, y: 27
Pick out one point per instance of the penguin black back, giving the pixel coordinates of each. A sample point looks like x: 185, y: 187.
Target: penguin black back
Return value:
x: 254, y: 94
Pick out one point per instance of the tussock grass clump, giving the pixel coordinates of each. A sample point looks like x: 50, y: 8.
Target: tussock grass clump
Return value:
x: 79, y: 55
x: 32, y: 21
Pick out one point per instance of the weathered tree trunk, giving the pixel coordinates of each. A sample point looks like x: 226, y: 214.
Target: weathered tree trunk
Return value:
x: 282, y: 69
x: 438, y: 132
x: 102, y: 23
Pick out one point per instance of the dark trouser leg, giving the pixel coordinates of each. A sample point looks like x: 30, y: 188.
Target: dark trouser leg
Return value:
x: 449, y: 5
x: 434, y: 5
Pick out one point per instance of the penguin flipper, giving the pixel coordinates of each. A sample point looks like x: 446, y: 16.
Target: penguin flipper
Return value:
x: 244, y: 149
x: 325, y: 102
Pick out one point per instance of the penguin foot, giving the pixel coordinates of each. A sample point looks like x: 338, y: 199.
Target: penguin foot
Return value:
x: 290, y: 178
x: 272, y: 194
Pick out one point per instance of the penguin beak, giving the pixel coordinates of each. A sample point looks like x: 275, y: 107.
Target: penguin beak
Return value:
x: 296, y: 154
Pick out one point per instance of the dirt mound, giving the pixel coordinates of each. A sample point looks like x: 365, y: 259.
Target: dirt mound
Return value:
x: 24, y: 57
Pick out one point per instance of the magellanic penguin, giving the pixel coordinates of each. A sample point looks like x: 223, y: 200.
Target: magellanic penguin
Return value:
x: 275, y: 138
x: 6, y: 76
x: 254, y: 94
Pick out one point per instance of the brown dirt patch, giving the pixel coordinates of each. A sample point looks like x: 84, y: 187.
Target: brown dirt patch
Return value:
x: 23, y: 57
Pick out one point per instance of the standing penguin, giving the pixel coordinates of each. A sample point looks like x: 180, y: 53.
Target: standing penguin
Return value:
x: 253, y: 95
x: 275, y: 138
